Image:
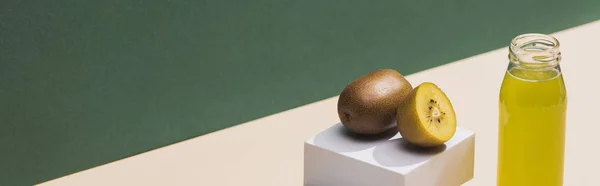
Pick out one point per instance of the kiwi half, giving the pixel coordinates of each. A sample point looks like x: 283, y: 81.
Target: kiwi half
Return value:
x: 426, y: 117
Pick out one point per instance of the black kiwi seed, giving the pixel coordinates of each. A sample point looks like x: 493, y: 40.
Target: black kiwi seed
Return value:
x: 431, y: 101
x: 439, y: 121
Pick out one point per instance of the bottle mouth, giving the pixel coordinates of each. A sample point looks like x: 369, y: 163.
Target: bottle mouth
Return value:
x: 534, y: 50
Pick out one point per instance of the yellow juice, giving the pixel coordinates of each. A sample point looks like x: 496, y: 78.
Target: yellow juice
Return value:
x: 531, y: 136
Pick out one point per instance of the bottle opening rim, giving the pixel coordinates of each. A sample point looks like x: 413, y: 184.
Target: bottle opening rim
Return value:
x: 535, y: 50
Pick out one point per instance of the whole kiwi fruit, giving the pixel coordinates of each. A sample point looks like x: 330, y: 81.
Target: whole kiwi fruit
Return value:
x: 368, y: 105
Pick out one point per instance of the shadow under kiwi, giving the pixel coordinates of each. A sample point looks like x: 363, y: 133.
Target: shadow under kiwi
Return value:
x: 340, y: 139
x: 399, y: 153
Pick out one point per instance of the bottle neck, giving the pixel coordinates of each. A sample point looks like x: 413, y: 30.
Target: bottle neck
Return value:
x: 534, y: 52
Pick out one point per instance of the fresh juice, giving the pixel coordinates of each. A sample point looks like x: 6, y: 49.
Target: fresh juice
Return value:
x: 531, y: 136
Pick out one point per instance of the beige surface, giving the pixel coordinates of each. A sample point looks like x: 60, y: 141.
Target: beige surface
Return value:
x: 268, y: 151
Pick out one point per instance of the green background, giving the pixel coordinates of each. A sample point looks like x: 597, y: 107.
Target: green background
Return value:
x: 83, y: 83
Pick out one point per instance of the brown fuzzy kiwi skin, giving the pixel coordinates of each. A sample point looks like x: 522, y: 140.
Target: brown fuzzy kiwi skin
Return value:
x: 368, y: 105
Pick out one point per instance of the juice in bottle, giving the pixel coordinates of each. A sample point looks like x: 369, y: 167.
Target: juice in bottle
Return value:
x: 533, y: 103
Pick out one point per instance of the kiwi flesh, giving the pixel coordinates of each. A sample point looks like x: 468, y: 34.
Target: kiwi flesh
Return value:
x: 426, y: 117
x: 368, y: 105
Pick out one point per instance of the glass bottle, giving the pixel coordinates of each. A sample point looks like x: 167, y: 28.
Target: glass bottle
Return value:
x: 532, y: 114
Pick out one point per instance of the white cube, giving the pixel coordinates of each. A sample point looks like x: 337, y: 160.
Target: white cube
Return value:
x: 336, y: 157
